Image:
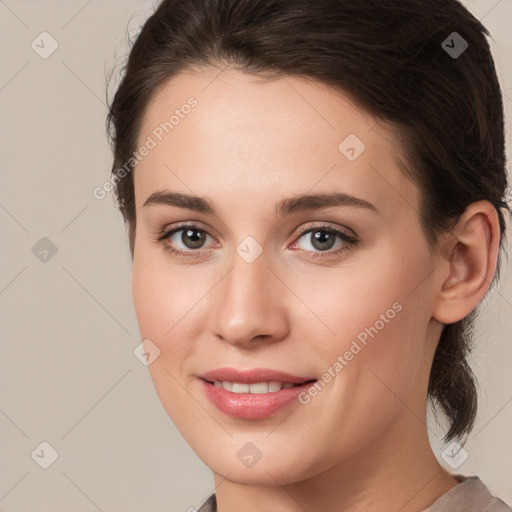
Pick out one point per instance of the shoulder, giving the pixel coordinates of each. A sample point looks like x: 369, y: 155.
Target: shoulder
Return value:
x: 210, y: 505
x: 471, y: 494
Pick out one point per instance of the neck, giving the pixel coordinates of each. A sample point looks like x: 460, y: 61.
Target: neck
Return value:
x: 398, y: 471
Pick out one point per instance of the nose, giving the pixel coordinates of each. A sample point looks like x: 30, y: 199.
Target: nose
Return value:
x: 249, y: 305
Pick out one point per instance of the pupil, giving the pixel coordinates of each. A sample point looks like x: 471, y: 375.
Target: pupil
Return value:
x: 194, y: 236
x: 323, y: 237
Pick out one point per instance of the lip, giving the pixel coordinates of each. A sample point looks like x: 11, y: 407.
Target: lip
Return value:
x: 252, y: 406
x: 252, y: 376
x: 249, y: 406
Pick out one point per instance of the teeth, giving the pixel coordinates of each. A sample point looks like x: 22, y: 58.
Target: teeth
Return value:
x: 274, y: 386
x: 257, y: 387
x: 239, y: 388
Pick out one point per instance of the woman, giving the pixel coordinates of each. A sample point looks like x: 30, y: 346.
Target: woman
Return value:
x: 315, y: 197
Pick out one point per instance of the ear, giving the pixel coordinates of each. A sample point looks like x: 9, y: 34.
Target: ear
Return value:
x: 467, y: 262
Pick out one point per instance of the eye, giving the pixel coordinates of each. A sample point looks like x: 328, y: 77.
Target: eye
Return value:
x: 192, y: 239
x: 322, y: 239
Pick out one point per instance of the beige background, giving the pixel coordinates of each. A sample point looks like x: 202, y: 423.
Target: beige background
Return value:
x: 68, y: 375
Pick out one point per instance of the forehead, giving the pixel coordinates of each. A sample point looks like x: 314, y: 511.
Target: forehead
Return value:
x: 216, y: 132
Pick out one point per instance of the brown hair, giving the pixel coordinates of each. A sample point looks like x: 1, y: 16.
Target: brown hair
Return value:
x: 393, y: 58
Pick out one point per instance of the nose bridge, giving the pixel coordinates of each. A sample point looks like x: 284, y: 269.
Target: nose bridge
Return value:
x: 247, y: 301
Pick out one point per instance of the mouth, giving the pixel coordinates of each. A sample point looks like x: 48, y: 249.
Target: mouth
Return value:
x: 264, y: 387
x: 254, y: 401
x: 258, y: 376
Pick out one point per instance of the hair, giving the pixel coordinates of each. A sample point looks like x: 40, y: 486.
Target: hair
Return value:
x: 388, y: 57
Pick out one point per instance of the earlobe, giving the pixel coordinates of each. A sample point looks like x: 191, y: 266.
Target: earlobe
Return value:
x: 468, y: 262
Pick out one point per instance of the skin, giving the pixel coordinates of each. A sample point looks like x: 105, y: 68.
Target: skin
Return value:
x: 362, y: 441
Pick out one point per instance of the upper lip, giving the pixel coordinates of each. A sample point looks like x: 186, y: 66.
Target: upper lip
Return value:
x: 252, y: 376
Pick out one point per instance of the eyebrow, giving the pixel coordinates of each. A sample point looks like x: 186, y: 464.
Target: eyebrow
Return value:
x: 300, y: 203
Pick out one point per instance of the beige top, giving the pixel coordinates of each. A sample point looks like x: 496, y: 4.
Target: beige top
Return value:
x: 471, y: 495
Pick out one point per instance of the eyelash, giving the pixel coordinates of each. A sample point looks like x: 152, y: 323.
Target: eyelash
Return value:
x: 350, y: 241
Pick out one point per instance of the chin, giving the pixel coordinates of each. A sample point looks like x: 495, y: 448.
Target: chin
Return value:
x: 260, y: 474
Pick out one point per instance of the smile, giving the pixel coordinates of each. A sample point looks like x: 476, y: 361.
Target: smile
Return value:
x: 253, y: 401
x: 256, y: 388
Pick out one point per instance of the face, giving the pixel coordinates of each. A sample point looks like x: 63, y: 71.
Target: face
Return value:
x: 337, y: 290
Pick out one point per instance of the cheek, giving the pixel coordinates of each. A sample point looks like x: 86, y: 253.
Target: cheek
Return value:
x: 159, y: 291
x: 169, y: 302
x: 157, y: 300
x: 161, y: 310
x: 367, y: 296
x: 378, y: 314
x: 148, y: 300
x: 374, y: 358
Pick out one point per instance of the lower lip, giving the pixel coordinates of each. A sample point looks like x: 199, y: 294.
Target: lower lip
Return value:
x: 252, y: 406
